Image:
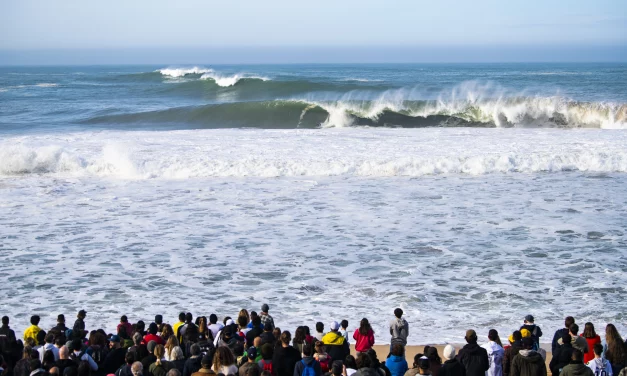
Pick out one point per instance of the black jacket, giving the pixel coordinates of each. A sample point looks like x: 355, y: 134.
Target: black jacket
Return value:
x: 561, y: 358
x: 252, y: 334
x: 474, y: 358
x: 528, y: 363
x: 338, y: 352
x: 178, y: 364
x: 284, y: 360
x: 556, y: 337
x: 509, y: 355
x: 147, y: 361
x: 62, y: 364
x: 267, y: 337
x: 125, y: 370
x: 452, y: 368
x: 192, y: 365
x: 113, y: 361
x: 8, y: 344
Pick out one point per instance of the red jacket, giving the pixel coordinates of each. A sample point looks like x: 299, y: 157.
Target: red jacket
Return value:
x: 364, y: 343
x: 591, y: 342
x: 129, y: 329
x: 152, y: 337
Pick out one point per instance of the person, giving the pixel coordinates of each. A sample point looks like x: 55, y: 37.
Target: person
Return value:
x: 285, y: 356
x: 116, y: 356
x: 396, y: 363
x: 515, y: 340
x: 179, y: 323
x: 451, y: 366
x: 242, y: 326
x: 150, y: 358
x: 579, y: 343
x: 335, y: 343
x: 350, y: 365
x: 415, y: 370
x: 125, y: 369
x: 177, y: 359
x: 48, y: 346
x: 174, y: 372
x: 78, y: 355
x: 528, y: 362
x: 161, y: 366
x: 98, y: 346
x: 228, y: 337
x: 592, y: 339
x: 344, y: 330
x: 376, y: 364
x: 568, y: 321
x: 322, y: 357
x: 399, y: 330
x: 33, y: 329
x: 166, y: 332
x: 205, y: 367
x: 535, y: 330
x: 299, y: 339
x: 615, y: 349
x: 36, y: 368
x: 153, y: 329
x: 159, y: 322
x: 194, y: 363
x: 170, y: 344
x: 363, y: 336
x: 22, y: 367
x: 435, y: 363
x: 337, y: 368
x: 267, y: 336
x: 576, y: 367
x: 266, y: 319
x: 137, y: 368
x: 319, y: 331
x: 364, y: 366
x: 599, y: 365
x: 60, y: 328
x: 9, y: 348
x: 64, y: 360
x: 79, y: 325
x: 244, y: 313
x: 562, y: 355
x: 251, y: 356
x: 126, y: 326
x: 267, y: 353
x: 254, y: 332
x: 139, y: 349
x: 473, y: 357
x: 495, y: 354
x: 224, y: 361
x: 308, y: 366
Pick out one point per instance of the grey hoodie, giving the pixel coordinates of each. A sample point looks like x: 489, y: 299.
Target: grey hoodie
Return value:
x: 399, y: 329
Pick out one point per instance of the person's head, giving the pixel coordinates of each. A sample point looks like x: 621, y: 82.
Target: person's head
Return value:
x: 598, y: 350
x: 349, y: 362
x: 77, y: 344
x: 153, y: 328
x: 61, y: 318
x: 167, y: 331
x: 256, y: 320
x: 449, y: 352
x: 177, y: 353
x: 81, y: 314
x: 493, y: 335
x: 137, y: 339
x: 182, y: 317
x: 529, y: 319
x: 242, y: 322
x: 151, y: 346
x: 568, y: 321
x: 574, y: 329
x: 319, y: 347
x: 253, y: 371
x: 334, y: 326
x: 566, y: 338
x: 84, y: 369
x: 195, y: 349
x: 34, y: 320
x: 308, y: 350
x: 257, y: 343
x: 129, y: 358
x: 344, y: 324
x: 158, y: 319
x: 140, y: 326
x: 188, y: 317
x: 364, y: 327
x: 397, y: 350
x: 363, y: 361
x: 54, y: 371
x: 206, y: 362
x: 527, y: 343
x: 173, y: 372
x: 286, y: 337
x: 265, y: 308
x: 432, y: 354
x: 5, y: 320
x: 124, y: 319
x: 398, y: 313
x: 223, y: 358
x: 267, y: 327
x: 243, y: 312
x: 337, y: 368
x: 471, y: 336
x: 115, y: 341
x: 137, y: 369
x: 588, y: 330
x: 64, y: 352
x: 299, y: 335
x: 49, y: 338
x: 423, y: 363
x: 577, y: 356
x: 34, y: 364
x: 276, y: 332
x: 251, y: 354
x: 319, y: 327
x: 267, y: 351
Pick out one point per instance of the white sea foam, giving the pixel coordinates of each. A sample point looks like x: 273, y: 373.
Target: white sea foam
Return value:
x: 226, y: 80
x: 181, y: 72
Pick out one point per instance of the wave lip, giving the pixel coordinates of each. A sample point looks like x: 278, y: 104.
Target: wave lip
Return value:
x: 230, y: 80
x: 181, y: 72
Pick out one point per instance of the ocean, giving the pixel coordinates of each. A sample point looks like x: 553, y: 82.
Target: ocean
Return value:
x: 470, y: 195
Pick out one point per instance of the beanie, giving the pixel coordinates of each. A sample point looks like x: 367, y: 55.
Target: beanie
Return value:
x: 449, y: 352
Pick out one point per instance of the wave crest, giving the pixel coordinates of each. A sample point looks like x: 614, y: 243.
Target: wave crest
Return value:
x: 181, y: 72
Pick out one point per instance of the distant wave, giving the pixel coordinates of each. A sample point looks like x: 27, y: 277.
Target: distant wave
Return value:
x: 181, y: 72
x: 230, y: 80
x: 42, y: 85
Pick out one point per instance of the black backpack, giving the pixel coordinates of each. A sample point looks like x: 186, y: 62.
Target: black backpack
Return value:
x: 77, y: 359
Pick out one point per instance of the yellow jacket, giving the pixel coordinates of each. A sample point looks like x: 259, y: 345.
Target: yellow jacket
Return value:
x: 333, y: 338
x: 31, y: 332
x: 176, y: 326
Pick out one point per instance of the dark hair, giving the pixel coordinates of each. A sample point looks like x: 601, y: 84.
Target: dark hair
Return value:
x: 398, y: 312
x: 569, y: 321
x: 49, y: 338
x: 69, y: 371
x: 195, y: 349
x: 566, y: 338
x: 344, y: 324
x: 129, y: 358
x: 253, y: 371
x: 61, y: 318
x: 306, y: 330
x: 267, y: 351
x: 34, y: 364
x: 397, y: 350
x: 363, y: 361
x: 182, y: 316
x: 299, y: 335
x: 577, y: 355
x: 213, y: 318
x: 34, y: 320
x: 588, y: 330
x: 432, y: 354
x: 267, y: 327
x: 256, y: 320
x: 493, y: 335
x: 286, y: 337
x: 124, y: 318
x: 598, y: 349
x: 364, y: 327
x: 517, y: 335
x: 574, y: 329
x: 153, y: 328
x: 41, y: 337
x: 349, y: 362
x: 307, y: 349
x: 373, y: 358
x: 225, y: 319
x: 84, y: 369
x: 319, y: 327
x: 242, y: 321
x: 48, y: 358
x: 189, y: 317
x: 158, y: 319
x: 417, y: 360
x: 5, y: 320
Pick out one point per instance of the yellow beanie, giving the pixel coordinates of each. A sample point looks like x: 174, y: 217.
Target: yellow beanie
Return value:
x: 525, y: 333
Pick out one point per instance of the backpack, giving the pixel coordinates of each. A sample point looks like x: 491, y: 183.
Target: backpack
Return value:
x: 97, y: 354
x: 266, y: 366
x: 324, y: 364
x: 77, y: 358
x: 309, y: 370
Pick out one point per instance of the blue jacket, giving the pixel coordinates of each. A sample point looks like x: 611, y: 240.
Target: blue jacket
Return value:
x: 397, y: 365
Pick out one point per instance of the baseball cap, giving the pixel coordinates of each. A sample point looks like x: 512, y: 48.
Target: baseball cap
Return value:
x: 114, y: 338
x: 529, y: 318
x: 334, y: 325
x: 252, y: 352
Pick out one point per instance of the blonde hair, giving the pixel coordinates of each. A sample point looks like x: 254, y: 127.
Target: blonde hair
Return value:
x: 159, y: 353
x: 244, y: 313
x: 170, y: 345
x: 223, y: 357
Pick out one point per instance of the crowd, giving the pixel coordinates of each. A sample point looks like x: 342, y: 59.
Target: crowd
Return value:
x: 251, y: 345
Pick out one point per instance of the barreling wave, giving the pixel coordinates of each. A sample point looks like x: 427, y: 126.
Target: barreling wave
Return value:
x: 384, y: 112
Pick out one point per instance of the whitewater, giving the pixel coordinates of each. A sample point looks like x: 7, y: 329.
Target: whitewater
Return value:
x: 468, y: 195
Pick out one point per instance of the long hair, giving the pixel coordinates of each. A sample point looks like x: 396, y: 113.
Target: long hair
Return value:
x: 159, y: 353
x: 170, y: 345
x: 493, y: 335
x: 364, y: 327
x: 244, y: 313
x: 615, y: 345
x: 588, y: 331
x: 299, y: 336
x: 167, y: 332
x: 223, y: 357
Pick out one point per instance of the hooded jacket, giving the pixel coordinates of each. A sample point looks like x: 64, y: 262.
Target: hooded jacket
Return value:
x: 284, y: 360
x: 363, y: 342
x: 31, y: 332
x: 597, y: 365
x: 577, y: 342
x: 561, y: 358
x: 495, y: 358
x: 576, y: 369
x: 336, y: 345
x: 309, y: 362
x: 557, y: 338
x: 528, y: 363
x: 399, y: 329
x: 397, y: 365
x: 475, y: 359
x: 452, y: 368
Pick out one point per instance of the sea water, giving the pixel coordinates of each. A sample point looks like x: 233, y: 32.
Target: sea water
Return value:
x: 468, y: 195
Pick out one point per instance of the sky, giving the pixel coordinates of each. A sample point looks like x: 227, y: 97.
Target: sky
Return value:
x: 85, y: 30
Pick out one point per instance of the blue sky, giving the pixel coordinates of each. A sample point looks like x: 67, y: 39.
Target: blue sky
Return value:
x: 188, y: 26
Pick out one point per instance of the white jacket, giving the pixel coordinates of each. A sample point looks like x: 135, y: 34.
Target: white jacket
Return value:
x: 599, y: 366
x: 495, y: 358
